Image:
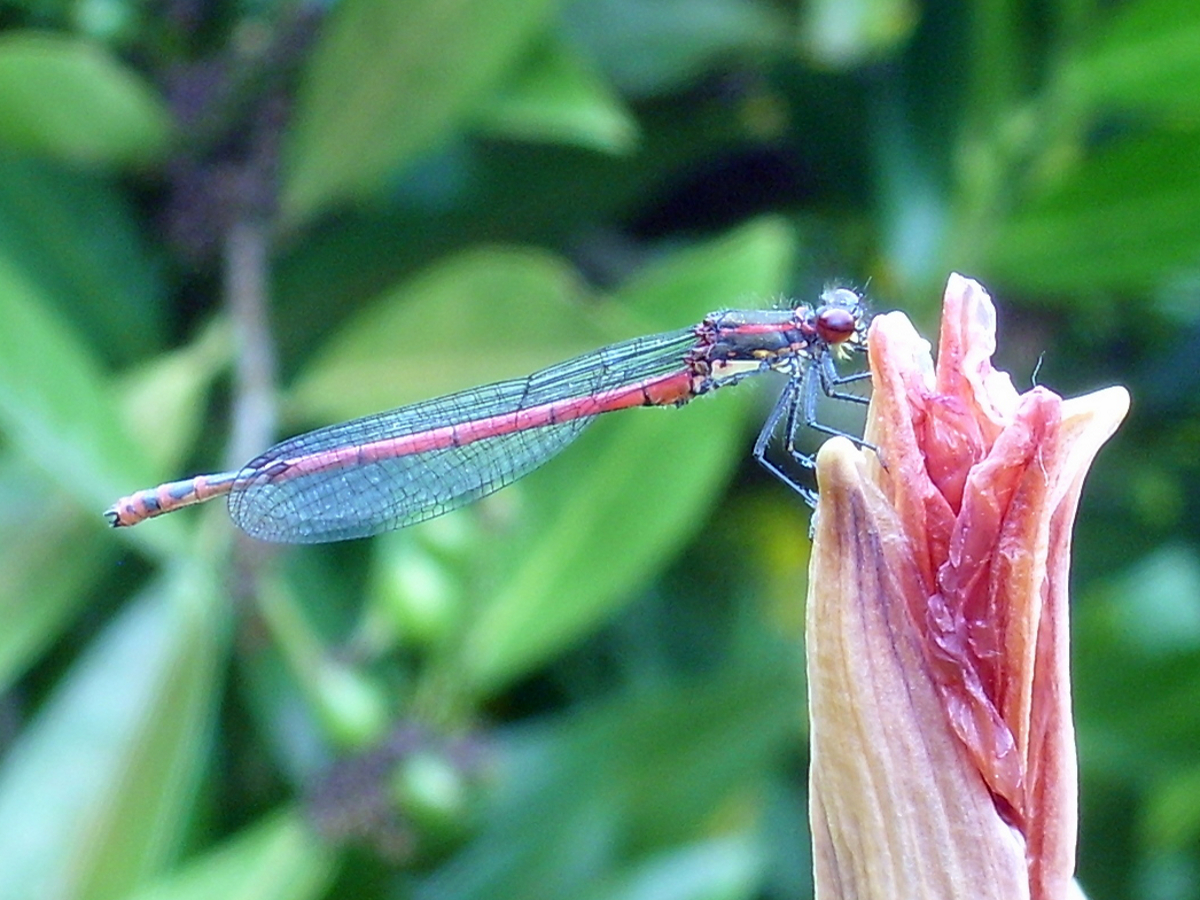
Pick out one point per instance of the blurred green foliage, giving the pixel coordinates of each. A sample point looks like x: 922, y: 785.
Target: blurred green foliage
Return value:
x: 590, y: 684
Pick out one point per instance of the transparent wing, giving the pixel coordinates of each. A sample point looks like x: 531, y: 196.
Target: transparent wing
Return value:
x: 395, y: 468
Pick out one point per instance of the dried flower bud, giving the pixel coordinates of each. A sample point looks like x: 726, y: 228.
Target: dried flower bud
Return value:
x: 943, y: 751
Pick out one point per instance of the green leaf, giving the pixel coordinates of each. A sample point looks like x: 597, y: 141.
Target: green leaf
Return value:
x: 636, y: 488
x: 842, y: 34
x: 473, y: 318
x: 1146, y: 58
x: 649, y: 48
x: 1124, y: 219
x: 105, y: 280
x: 69, y: 99
x: 746, y: 268
x: 725, y: 868
x: 1157, y: 602
x: 1132, y: 683
x: 554, y: 97
x: 634, y: 491
x: 387, y: 82
x: 51, y: 552
x: 1172, y: 817
x: 170, y: 390
x: 582, y: 796
x: 279, y: 858
x: 352, y: 707
x: 97, y: 791
x: 55, y: 407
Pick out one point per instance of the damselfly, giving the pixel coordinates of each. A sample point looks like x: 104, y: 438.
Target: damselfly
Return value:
x: 395, y: 468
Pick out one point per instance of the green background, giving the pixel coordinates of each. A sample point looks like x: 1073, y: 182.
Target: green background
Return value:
x: 589, y: 685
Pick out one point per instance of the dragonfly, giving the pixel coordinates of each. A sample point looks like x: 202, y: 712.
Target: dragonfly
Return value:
x: 393, y: 469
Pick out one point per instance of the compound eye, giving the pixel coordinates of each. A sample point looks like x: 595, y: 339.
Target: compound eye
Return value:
x: 835, y: 325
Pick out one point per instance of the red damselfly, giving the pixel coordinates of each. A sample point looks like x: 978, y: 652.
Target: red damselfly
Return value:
x: 396, y: 468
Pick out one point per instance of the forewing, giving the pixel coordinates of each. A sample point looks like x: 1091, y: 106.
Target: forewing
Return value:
x: 319, y: 487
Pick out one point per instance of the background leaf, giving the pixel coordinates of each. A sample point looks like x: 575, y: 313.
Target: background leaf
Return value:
x: 646, y: 48
x: 105, y: 776
x: 277, y: 859
x: 70, y: 100
x: 1146, y: 58
x: 390, y: 79
x: 554, y: 97
x: 49, y: 556
x: 54, y: 405
x: 106, y: 281
x: 616, y: 783
x: 522, y: 304
x: 1105, y: 227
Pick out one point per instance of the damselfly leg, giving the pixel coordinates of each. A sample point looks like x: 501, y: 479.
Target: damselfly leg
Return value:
x: 796, y: 411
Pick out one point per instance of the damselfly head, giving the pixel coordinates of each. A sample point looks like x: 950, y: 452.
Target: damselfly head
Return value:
x: 841, y: 319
